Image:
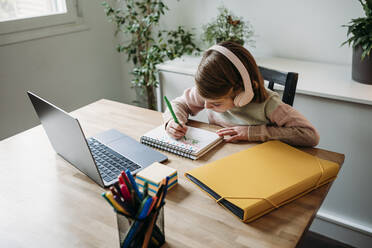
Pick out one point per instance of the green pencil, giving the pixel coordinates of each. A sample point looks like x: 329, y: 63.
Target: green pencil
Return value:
x: 173, y: 114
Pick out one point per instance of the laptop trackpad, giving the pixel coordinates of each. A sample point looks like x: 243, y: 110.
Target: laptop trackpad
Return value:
x: 136, y: 151
x: 130, y: 148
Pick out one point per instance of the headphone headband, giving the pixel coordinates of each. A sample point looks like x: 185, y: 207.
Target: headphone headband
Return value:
x: 246, y: 96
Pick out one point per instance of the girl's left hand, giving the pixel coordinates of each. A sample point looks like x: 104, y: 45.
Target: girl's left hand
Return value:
x: 236, y: 133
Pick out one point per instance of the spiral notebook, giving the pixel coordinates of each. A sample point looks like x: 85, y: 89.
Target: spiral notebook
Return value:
x: 198, y: 141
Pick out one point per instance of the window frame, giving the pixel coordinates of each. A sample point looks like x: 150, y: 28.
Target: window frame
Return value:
x: 14, y: 31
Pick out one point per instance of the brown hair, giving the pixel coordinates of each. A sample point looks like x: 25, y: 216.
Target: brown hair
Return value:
x: 216, y: 75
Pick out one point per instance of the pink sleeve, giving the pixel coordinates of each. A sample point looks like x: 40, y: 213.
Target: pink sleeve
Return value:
x: 190, y: 103
x: 286, y: 116
x: 291, y: 127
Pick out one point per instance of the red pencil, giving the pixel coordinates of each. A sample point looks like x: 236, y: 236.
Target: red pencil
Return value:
x: 125, y: 192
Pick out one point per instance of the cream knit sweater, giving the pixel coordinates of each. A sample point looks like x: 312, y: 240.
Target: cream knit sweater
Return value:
x: 269, y: 120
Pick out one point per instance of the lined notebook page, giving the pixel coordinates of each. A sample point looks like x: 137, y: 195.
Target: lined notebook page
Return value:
x: 197, y: 140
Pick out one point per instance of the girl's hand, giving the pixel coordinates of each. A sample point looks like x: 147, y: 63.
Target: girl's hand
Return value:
x: 175, y: 130
x: 236, y: 133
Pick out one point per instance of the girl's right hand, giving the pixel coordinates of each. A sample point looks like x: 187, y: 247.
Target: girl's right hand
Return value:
x: 175, y: 130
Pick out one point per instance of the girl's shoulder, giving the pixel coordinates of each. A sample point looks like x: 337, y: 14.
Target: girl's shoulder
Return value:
x: 271, y: 94
x: 272, y: 102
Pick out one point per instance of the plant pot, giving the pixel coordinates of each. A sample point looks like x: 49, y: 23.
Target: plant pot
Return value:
x: 361, y: 69
x: 142, y: 98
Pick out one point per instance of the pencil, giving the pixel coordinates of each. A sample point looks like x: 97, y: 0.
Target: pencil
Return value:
x: 172, y: 112
x: 161, y: 196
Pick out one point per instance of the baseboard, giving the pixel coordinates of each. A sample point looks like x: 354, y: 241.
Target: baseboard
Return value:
x: 312, y: 240
x: 343, y: 230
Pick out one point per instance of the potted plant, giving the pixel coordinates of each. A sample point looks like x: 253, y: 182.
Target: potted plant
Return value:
x: 144, y: 46
x: 360, y: 31
x: 228, y: 27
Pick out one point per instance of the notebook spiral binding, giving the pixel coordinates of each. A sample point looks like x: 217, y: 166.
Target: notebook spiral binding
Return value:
x: 166, y: 147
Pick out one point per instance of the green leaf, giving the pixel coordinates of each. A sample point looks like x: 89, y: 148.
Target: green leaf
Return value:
x: 364, y: 54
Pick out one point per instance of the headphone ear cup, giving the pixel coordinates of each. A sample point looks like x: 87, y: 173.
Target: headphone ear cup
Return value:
x: 239, y: 99
x: 242, y: 99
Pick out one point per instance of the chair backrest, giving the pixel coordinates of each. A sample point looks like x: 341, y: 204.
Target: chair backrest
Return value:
x: 287, y: 79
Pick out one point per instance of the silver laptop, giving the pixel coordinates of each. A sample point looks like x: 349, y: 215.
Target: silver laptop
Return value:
x: 101, y: 157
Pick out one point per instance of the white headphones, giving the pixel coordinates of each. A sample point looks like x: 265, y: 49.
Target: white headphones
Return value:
x: 246, y: 96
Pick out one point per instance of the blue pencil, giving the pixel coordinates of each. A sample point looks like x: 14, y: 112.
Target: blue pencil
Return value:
x: 134, y: 184
x: 145, y: 208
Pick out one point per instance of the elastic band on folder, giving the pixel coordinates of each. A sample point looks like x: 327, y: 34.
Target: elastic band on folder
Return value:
x: 251, y: 198
x: 321, y: 174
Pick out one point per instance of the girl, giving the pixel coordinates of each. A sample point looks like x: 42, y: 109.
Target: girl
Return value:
x: 229, y: 83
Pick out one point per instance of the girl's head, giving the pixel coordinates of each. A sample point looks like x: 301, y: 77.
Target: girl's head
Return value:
x: 218, y: 81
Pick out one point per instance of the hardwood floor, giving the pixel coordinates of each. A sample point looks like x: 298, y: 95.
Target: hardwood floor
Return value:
x: 315, y: 240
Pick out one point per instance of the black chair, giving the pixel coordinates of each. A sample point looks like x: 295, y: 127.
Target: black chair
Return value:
x: 287, y: 79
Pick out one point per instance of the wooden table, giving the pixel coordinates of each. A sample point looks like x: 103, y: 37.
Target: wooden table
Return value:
x: 46, y: 202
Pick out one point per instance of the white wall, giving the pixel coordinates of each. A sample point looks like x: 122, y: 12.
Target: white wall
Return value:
x: 309, y: 30
x: 71, y: 70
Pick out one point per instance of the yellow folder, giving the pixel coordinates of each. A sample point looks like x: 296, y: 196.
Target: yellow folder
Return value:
x: 255, y: 181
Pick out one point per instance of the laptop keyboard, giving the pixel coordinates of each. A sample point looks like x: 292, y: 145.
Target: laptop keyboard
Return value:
x: 109, y: 162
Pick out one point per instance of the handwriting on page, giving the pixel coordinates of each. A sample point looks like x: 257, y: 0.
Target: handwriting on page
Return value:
x: 189, y: 143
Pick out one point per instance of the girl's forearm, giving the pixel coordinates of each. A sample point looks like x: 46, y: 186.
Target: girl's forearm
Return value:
x: 297, y: 136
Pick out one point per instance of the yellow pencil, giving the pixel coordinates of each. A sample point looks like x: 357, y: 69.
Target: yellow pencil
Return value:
x: 110, y: 197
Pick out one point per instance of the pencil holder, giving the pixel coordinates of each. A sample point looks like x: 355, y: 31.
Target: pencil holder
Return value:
x: 133, y: 231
